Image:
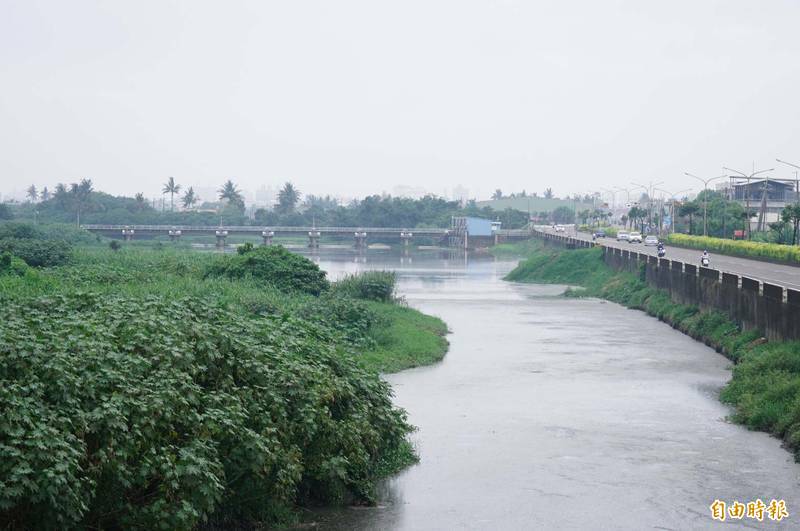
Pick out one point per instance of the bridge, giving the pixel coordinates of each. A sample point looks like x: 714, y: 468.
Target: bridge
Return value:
x: 359, y: 234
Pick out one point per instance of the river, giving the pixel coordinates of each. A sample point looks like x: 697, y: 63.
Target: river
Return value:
x: 556, y: 413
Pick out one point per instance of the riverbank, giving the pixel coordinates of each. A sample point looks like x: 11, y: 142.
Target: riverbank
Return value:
x: 765, y: 386
x: 152, y: 387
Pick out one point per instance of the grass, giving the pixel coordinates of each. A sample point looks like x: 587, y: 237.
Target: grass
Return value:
x: 408, y: 338
x: 764, y: 390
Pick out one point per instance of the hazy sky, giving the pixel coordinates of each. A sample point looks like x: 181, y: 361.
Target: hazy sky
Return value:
x: 356, y: 97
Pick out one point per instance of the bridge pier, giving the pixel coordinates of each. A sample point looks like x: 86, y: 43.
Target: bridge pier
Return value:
x: 127, y: 234
x: 221, y: 235
x: 361, y: 239
x: 174, y: 235
x: 313, y: 239
x: 267, y: 235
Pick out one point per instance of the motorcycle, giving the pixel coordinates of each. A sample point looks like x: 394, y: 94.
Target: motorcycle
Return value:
x: 661, y: 252
x: 704, y: 261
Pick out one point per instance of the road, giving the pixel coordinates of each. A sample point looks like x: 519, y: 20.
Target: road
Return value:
x: 782, y: 275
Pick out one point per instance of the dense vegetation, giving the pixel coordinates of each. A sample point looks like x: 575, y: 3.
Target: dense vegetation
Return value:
x: 765, y: 388
x: 80, y: 201
x: 138, y: 390
x: 749, y: 249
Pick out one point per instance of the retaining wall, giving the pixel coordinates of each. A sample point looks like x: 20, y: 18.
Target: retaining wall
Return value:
x: 772, y: 309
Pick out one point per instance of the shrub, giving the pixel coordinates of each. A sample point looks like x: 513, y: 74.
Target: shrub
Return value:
x: 114, y: 245
x: 368, y: 285
x: 160, y: 413
x: 274, y: 265
x: 750, y: 249
x: 350, y: 318
x: 11, y: 265
x: 37, y: 253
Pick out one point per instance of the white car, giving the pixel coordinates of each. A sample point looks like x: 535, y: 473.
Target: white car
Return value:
x: 622, y: 236
x: 651, y: 240
x: 635, y: 237
x: 560, y: 228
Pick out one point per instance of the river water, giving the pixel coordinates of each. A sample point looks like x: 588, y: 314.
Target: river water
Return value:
x: 555, y: 413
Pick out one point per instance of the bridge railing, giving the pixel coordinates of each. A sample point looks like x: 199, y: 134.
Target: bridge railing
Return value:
x: 258, y: 229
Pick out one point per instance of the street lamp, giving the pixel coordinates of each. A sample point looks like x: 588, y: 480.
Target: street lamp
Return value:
x: 796, y: 179
x: 705, y: 197
x: 672, y: 204
x: 649, y: 191
x: 747, y: 192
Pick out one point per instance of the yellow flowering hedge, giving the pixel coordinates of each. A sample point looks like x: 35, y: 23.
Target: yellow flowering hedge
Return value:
x: 772, y: 251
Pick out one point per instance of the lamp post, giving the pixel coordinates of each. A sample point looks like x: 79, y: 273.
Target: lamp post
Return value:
x: 705, y: 197
x: 649, y: 191
x: 672, y: 205
x: 796, y: 178
x: 747, y: 192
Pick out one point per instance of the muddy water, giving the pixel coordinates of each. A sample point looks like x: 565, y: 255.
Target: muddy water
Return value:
x: 552, y: 413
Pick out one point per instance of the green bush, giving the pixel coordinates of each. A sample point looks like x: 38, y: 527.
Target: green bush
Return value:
x: 749, y: 249
x: 274, y: 265
x: 37, y: 253
x: 368, y: 285
x: 157, y: 412
x: 11, y: 265
x: 348, y: 317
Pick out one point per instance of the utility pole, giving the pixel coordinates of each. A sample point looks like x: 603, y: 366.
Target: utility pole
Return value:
x: 747, y: 190
x: 705, y: 197
x: 672, y: 205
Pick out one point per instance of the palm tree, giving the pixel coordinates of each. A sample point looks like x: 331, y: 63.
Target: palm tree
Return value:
x: 80, y: 193
x: 548, y: 193
x: 498, y: 194
x: 189, y: 198
x: 45, y: 195
x: 171, y: 188
x: 232, y: 194
x: 33, y: 194
x: 288, y: 198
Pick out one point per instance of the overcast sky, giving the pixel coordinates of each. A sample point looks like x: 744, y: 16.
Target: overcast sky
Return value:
x: 356, y: 97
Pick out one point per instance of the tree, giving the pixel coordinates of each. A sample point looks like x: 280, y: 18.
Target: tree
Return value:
x: 5, y: 212
x: 80, y: 194
x: 32, y: 193
x: 548, y: 193
x: 189, y: 198
x: 45, y: 195
x: 583, y: 215
x: 563, y: 214
x: 288, y: 198
x: 689, y: 210
x: 791, y: 215
x: 171, y: 188
x: 229, y: 192
x: 498, y: 194
x: 61, y: 196
x: 637, y: 214
x: 141, y: 202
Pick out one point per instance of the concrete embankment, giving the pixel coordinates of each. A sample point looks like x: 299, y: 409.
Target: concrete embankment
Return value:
x: 754, y: 305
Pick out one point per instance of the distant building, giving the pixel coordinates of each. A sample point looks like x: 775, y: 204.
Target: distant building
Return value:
x: 766, y: 198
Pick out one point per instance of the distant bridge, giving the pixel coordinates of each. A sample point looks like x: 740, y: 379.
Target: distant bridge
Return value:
x: 360, y: 234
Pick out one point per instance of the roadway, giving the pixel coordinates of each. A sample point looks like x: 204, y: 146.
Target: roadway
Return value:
x: 783, y: 275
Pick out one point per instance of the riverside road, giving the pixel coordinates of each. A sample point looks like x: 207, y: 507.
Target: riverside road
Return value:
x: 783, y: 275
